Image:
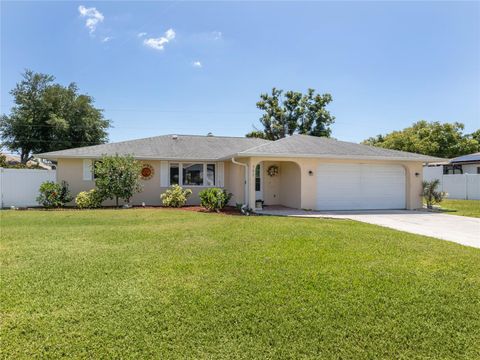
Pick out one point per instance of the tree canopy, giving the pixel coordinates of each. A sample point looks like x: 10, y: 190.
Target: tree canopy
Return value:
x: 48, y: 116
x: 293, y: 112
x: 117, y: 177
x: 445, y: 140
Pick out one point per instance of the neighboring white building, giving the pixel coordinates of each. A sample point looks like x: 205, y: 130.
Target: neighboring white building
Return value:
x: 459, y: 177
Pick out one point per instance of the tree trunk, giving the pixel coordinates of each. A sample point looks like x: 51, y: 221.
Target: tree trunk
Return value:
x: 24, y: 157
x: 116, y: 200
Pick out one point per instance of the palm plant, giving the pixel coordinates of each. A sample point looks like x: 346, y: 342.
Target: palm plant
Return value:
x: 430, y: 193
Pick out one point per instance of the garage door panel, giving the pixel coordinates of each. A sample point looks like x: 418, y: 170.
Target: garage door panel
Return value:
x: 360, y: 187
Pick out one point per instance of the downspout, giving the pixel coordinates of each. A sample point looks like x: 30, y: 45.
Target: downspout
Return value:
x: 245, y: 188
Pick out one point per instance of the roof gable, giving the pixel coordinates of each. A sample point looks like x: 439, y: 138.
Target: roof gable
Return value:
x: 313, y: 146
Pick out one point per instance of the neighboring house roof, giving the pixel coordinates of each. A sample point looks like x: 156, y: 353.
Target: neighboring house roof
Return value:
x: 475, y: 157
x: 166, y: 147
x: 15, y: 160
x: 192, y: 147
x: 312, y: 146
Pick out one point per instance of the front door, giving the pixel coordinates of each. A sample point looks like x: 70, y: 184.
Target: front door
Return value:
x: 259, y: 182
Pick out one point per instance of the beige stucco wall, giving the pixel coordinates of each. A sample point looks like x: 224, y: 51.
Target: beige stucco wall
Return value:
x: 71, y: 170
x: 234, y: 181
x: 290, y: 184
x: 308, y: 183
x: 294, y: 187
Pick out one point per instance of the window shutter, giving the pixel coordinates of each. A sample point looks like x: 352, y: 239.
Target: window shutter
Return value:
x: 220, y: 174
x: 87, y: 170
x: 164, y: 173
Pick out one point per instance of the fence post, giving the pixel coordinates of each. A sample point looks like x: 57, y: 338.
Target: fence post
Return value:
x: 466, y: 186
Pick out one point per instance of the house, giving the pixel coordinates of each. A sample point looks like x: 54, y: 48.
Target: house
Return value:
x: 299, y: 171
x: 466, y: 164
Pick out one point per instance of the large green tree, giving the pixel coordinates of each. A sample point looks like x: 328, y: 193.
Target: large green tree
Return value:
x: 48, y: 117
x: 445, y: 140
x: 286, y: 113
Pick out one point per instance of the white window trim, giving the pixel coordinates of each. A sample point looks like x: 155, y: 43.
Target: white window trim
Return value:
x: 180, y: 173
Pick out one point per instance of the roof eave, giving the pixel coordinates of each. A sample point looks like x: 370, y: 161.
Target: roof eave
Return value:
x: 56, y: 157
x: 340, y: 157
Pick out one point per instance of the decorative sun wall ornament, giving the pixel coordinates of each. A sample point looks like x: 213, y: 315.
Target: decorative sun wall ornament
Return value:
x: 272, y: 170
x: 147, y: 172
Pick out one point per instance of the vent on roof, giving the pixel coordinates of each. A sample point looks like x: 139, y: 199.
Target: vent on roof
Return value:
x: 174, y: 137
x: 210, y: 134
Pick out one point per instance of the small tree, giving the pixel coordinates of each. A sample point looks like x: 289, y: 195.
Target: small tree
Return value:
x: 430, y: 193
x: 117, y: 177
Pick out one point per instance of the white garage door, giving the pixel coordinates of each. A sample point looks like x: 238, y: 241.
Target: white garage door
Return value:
x: 360, y: 187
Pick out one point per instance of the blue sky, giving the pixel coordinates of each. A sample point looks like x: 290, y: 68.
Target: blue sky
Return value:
x: 199, y: 67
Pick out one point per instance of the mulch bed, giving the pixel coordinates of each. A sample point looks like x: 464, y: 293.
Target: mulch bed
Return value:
x: 228, y: 210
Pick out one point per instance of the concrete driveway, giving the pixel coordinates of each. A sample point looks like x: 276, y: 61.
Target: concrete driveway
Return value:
x: 460, y: 229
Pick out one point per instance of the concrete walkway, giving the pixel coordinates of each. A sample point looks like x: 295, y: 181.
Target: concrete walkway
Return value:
x: 460, y: 229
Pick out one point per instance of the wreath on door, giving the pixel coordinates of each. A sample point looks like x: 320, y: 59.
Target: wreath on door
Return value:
x: 272, y: 170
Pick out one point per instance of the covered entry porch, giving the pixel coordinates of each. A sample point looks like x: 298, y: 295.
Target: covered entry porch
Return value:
x: 274, y: 183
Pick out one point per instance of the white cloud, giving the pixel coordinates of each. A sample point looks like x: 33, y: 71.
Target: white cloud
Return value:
x: 159, y: 43
x: 93, y: 17
x: 217, y: 35
x: 107, y: 39
x: 197, y: 64
x: 142, y: 34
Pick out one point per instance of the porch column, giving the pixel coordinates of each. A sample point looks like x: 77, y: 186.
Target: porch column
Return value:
x: 251, y: 182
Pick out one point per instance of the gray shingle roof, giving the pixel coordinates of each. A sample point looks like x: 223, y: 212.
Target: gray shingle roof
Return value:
x: 312, y: 146
x: 184, y: 147
x: 194, y: 147
x: 466, y: 158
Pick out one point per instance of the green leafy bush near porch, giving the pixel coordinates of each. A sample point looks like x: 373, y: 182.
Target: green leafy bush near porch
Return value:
x: 89, y: 199
x: 175, y: 196
x: 214, y: 199
x: 53, y: 195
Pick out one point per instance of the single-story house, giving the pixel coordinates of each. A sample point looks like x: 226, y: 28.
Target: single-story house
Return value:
x: 466, y: 164
x: 299, y: 171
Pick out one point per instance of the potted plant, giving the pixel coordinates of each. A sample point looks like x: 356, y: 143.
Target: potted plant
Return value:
x: 258, y: 204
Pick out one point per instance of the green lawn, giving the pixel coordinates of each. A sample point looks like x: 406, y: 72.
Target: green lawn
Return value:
x: 461, y: 207
x: 176, y: 284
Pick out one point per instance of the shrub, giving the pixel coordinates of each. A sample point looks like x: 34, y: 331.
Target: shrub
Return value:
x: 175, y: 196
x: 430, y: 193
x: 53, y: 195
x: 89, y: 199
x: 214, y: 199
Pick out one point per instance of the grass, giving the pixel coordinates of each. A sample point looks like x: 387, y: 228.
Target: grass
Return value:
x: 461, y: 207
x: 149, y: 283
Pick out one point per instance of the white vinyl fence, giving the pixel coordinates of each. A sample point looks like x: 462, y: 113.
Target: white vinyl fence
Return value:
x: 458, y: 186
x: 19, y: 187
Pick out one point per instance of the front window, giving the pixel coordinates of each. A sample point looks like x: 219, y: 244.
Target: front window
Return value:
x: 258, y: 179
x: 174, y: 174
x: 193, y: 174
x: 210, y: 175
